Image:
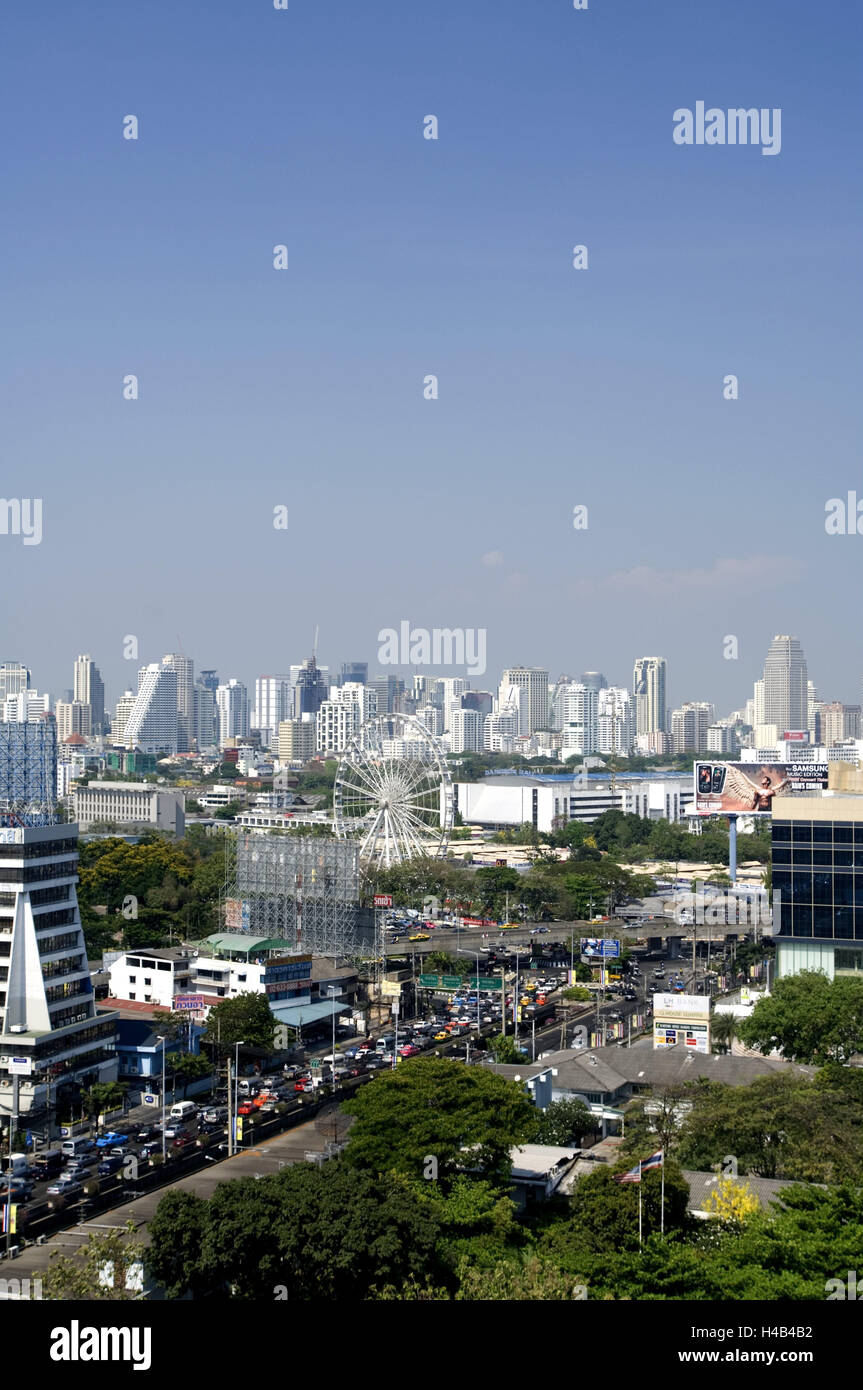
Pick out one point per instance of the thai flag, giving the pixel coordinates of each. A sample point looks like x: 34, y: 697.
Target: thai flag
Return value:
x: 655, y: 1161
x: 634, y: 1175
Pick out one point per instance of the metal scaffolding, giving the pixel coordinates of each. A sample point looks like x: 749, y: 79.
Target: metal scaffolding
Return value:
x: 28, y: 772
x: 302, y: 889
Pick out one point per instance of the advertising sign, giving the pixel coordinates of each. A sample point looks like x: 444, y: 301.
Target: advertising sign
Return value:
x: 681, y: 1020
x: 238, y: 914
x: 599, y: 948
x: 721, y: 788
x: 19, y: 1066
x: 188, y: 1003
x: 383, y: 899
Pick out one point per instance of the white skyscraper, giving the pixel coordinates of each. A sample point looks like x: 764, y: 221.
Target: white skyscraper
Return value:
x: 152, y: 724
x: 615, y: 720
x: 89, y: 688
x: 13, y: 678
x: 465, y: 731
x: 274, y: 702
x: 534, y: 680
x: 123, y: 710
x: 500, y: 730
x: 232, y: 702
x: 648, y: 684
x: 576, y: 712
x: 514, y: 697
x: 786, y: 686
x: 185, y: 669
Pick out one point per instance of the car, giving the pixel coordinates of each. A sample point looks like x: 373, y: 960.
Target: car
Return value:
x: 62, y: 1188
x: 183, y: 1142
x: 147, y: 1152
x: 22, y: 1189
x: 442, y: 1036
x: 107, y: 1141
x: 145, y: 1133
x: 109, y: 1166
x: 419, y: 936
x: 248, y: 1107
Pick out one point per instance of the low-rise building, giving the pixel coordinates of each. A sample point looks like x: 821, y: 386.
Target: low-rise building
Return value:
x: 150, y: 976
x: 130, y: 804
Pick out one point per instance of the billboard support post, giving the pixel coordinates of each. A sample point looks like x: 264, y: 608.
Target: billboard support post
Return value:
x: 732, y: 848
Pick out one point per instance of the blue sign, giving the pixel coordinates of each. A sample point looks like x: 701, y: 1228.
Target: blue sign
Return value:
x: 599, y: 948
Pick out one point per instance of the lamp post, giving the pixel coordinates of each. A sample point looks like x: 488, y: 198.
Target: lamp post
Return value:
x: 235, y: 1117
x: 161, y: 1038
x: 333, y: 991
x: 465, y: 952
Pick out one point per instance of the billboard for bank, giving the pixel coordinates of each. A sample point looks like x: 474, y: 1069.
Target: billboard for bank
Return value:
x: 722, y: 788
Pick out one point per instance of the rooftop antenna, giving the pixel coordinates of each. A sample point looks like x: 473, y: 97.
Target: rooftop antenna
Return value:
x: 315, y: 645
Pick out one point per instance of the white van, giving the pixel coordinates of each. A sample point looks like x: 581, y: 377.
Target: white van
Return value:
x: 16, y: 1165
x: 73, y: 1148
x: 184, y: 1110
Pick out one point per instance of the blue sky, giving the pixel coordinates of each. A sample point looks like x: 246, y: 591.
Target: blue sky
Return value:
x: 408, y: 257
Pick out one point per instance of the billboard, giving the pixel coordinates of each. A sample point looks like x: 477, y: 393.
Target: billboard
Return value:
x: 681, y: 1020
x: 722, y: 788
x: 383, y: 899
x: 238, y: 914
x: 599, y: 948
x: 189, y: 1003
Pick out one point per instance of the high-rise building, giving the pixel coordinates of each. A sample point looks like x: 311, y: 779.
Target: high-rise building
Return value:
x: 336, y: 722
x: 689, y: 725
x: 89, y: 688
x: 122, y: 711
x: 839, y: 722
x: 648, y: 684
x: 185, y: 669
x: 274, y: 702
x: 152, y: 725
x: 615, y: 721
x: 73, y: 717
x: 534, y: 681
x: 786, y: 686
x: 310, y: 687
x: 206, y: 716
x: 13, y: 679
x: 232, y: 702
x: 28, y: 704
x: 47, y: 1009
x: 297, y: 739
x: 500, y: 730
x: 466, y: 731
x: 356, y: 672
x: 209, y: 680
x: 576, y: 709
x: 389, y: 690
x: 594, y: 680
x: 482, y: 700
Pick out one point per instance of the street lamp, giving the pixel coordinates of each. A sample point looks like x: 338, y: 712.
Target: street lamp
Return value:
x: 161, y: 1038
x: 463, y: 951
x: 333, y: 990
x: 235, y: 1117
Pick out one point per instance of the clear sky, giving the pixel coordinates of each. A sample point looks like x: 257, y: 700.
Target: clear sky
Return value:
x: 407, y: 257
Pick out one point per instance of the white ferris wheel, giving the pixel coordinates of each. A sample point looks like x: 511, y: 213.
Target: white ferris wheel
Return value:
x: 393, y: 792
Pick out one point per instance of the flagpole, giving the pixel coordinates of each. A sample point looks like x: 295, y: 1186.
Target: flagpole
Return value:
x: 639, y: 1204
x: 662, y: 1198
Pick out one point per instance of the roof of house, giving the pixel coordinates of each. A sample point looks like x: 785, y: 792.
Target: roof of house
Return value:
x: 610, y: 1068
x: 766, y: 1190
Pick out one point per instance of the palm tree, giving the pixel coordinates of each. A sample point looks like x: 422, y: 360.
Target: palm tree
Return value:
x: 723, y: 1030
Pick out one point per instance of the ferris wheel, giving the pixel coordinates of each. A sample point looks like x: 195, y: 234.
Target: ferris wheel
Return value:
x: 393, y: 792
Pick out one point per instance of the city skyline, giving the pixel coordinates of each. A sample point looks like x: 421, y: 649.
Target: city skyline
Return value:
x: 557, y: 388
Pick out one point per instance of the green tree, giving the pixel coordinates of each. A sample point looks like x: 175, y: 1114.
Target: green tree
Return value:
x: 107, y: 1268
x: 186, y: 1067
x: 504, y: 1049
x: 434, y: 1108
x: 564, y: 1122
x: 104, y: 1096
x: 247, y: 1018
x: 808, y: 1018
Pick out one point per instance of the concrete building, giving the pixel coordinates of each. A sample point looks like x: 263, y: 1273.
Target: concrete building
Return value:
x: 549, y: 800
x: 785, y: 691
x: 336, y: 723
x: 534, y: 681
x: 500, y: 730
x: 89, y: 688
x: 150, y: 976
x: 13, y: 679
x: 47, y: 1011
x: 466, y: 731
x: 297, y: 740
x: 72, y: 718
x: 27, y: 704
x: 184, y: 667
x: 152, y: 725
x: 232, y: 702
x: 648, y: 684
x: 122, y: 712
x: 576, y: 715
x: 274, y: 703
x: 615, y: 721
x: 818, y: 884
x: 689, y: 725
x: 130, y: 804
x: 205, y: 716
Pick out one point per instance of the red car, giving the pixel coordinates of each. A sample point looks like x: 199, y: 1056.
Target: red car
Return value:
x: 302, y: 1083
x: 184, y: 1141
x: 247, y: 1108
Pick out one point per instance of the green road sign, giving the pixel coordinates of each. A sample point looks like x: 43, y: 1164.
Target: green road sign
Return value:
x: 429, y: 981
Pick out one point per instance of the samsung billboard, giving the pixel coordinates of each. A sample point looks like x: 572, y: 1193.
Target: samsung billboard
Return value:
x: 749, y: 788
